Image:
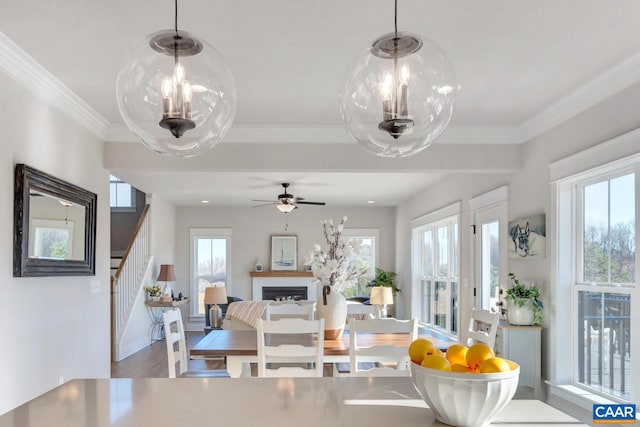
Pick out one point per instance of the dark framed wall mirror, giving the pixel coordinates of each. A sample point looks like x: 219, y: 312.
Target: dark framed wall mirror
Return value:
x: 54, y: 226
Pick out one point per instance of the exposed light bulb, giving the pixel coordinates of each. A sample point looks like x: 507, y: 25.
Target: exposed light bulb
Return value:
x: 187, y: 92
x: 386, y: 86
x: 405, y: 73
x: 178, y: 73
x: 167, y: 87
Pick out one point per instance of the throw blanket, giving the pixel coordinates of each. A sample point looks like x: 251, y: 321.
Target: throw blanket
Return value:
x: 247, y: 311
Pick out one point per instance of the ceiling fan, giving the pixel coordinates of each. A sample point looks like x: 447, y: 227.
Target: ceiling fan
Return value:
x: 287, y: 202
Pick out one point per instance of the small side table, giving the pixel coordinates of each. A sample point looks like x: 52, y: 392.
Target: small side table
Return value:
x: 156, y: 308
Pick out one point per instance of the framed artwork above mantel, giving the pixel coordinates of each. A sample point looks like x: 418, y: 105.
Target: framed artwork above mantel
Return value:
x: 284, y: 253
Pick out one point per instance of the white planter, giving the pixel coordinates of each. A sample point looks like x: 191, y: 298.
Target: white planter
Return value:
x: 334, y: 313
x: 520, y: 315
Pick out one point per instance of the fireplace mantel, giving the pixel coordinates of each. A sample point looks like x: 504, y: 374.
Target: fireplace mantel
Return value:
x: 261, y: 279
x: 281, y: 274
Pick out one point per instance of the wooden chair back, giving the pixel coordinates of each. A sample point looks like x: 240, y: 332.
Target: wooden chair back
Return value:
x: 177, y: 349
x: 286, y: 310
x: 483, y: 326
x: 176, y: 344
x: 387, y: 360
x: 298, y: 343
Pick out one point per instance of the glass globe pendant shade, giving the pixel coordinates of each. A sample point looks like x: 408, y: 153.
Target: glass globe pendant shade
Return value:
x: 176, y: 94
x: 398, y: 95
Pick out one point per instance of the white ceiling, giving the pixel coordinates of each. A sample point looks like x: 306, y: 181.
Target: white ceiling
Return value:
x: 516, y: 62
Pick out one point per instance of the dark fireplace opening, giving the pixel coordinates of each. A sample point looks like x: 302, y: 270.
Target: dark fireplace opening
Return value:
x: 282, y: 293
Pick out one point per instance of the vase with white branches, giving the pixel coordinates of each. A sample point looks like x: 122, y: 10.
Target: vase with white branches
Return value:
x: 336, y: 268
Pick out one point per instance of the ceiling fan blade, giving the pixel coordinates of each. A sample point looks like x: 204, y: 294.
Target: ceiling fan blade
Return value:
x: 311, y: 203
x: 266, y: 204
x: 270, y: 201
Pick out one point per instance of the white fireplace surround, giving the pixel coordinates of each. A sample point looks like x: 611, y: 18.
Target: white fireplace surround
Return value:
x: 273, y: 279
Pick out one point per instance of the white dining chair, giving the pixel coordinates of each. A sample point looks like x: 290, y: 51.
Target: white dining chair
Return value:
x: 483, y: 326
x: 387, y: 360
x: 359, y: 311
x: 177, y: 348
x: 289, y: 309
x: 279, y: 356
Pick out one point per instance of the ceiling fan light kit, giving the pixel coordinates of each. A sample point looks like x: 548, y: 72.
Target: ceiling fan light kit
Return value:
x: 176, y: 94
x: 287, y: 202
x: 285, y: 208
x: 398, y: 94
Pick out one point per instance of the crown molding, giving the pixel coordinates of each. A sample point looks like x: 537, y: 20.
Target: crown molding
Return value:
x: 25, y: 70
x: 596, y: 90
x: 30, y: 74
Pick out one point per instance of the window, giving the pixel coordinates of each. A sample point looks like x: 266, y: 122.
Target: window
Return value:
x: 210, y: 263
x: 605, y: 222
x: 368, y: 255
x: 436, y: 271
x: 596, y: 281
x: 121, y: 195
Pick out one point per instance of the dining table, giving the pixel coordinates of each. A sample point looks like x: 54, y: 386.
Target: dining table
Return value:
x: 283, y: 402
x: 240, y: 347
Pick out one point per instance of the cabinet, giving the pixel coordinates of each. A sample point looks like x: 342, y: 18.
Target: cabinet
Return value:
x: 522, y: 344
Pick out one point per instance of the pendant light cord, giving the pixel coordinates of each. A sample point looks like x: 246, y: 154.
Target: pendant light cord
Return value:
x: 395, y: 17
x: 176, y: 16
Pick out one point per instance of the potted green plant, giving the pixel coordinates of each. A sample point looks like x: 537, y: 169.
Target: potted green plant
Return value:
x: 523, y: 305
x: 385, y: 278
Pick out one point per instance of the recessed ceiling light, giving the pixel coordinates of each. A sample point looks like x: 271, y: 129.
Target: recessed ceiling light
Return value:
x: 371, y: 202
x: 204, y: 202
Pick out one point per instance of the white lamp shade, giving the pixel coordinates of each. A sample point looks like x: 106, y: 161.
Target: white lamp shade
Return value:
x: 381, y: 295
x: 215, y: 295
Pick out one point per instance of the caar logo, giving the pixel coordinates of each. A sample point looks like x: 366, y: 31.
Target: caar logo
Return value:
x: 614, y: 414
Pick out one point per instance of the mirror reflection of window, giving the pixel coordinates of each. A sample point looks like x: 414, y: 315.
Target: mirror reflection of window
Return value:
x: 56, y: 228
x: 53, y: 239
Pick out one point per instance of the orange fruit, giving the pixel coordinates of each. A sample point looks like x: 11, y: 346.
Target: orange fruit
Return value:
x: 513, y: 365
x: 457, y: 353
x: 419, y: 348
x: 457, y: 367
x: 436, y: 362
x: 436, y: 351
x: 477, y: 354
x: 494, y: 364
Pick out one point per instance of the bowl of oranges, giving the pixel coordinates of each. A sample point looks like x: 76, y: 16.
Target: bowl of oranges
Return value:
x: 466, y: 386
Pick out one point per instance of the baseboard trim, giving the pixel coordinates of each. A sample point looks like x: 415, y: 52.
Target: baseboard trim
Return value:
x: 132, y: 348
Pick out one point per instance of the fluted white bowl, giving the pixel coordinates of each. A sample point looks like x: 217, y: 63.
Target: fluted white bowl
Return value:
x: 464, y: 399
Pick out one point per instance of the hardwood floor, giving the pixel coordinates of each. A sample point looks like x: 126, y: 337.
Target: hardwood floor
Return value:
x: 151, y: 361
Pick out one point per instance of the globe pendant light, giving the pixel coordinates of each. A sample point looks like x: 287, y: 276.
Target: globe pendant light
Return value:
x: 398, y: 94
x: 176, y: 94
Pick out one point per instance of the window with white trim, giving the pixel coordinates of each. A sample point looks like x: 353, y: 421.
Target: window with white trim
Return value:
x: 436, y: 272
x: 210, y: 263
x: 368, y: 238
x: 603, y: 281
x: 122, y: 196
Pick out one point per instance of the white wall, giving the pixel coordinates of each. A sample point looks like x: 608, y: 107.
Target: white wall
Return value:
x: 529, y: 193
x: 53, y: 327
x: 252, y: 228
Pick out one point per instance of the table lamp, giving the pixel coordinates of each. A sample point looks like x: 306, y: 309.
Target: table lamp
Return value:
x: 215, y: 295
x: 381, y: 295
x: 166, y: 275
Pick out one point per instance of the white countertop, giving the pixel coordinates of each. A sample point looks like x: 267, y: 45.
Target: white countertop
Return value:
x: 325, y: 402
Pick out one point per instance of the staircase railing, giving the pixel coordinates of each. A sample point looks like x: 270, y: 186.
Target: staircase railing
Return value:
x: 127, y: 280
